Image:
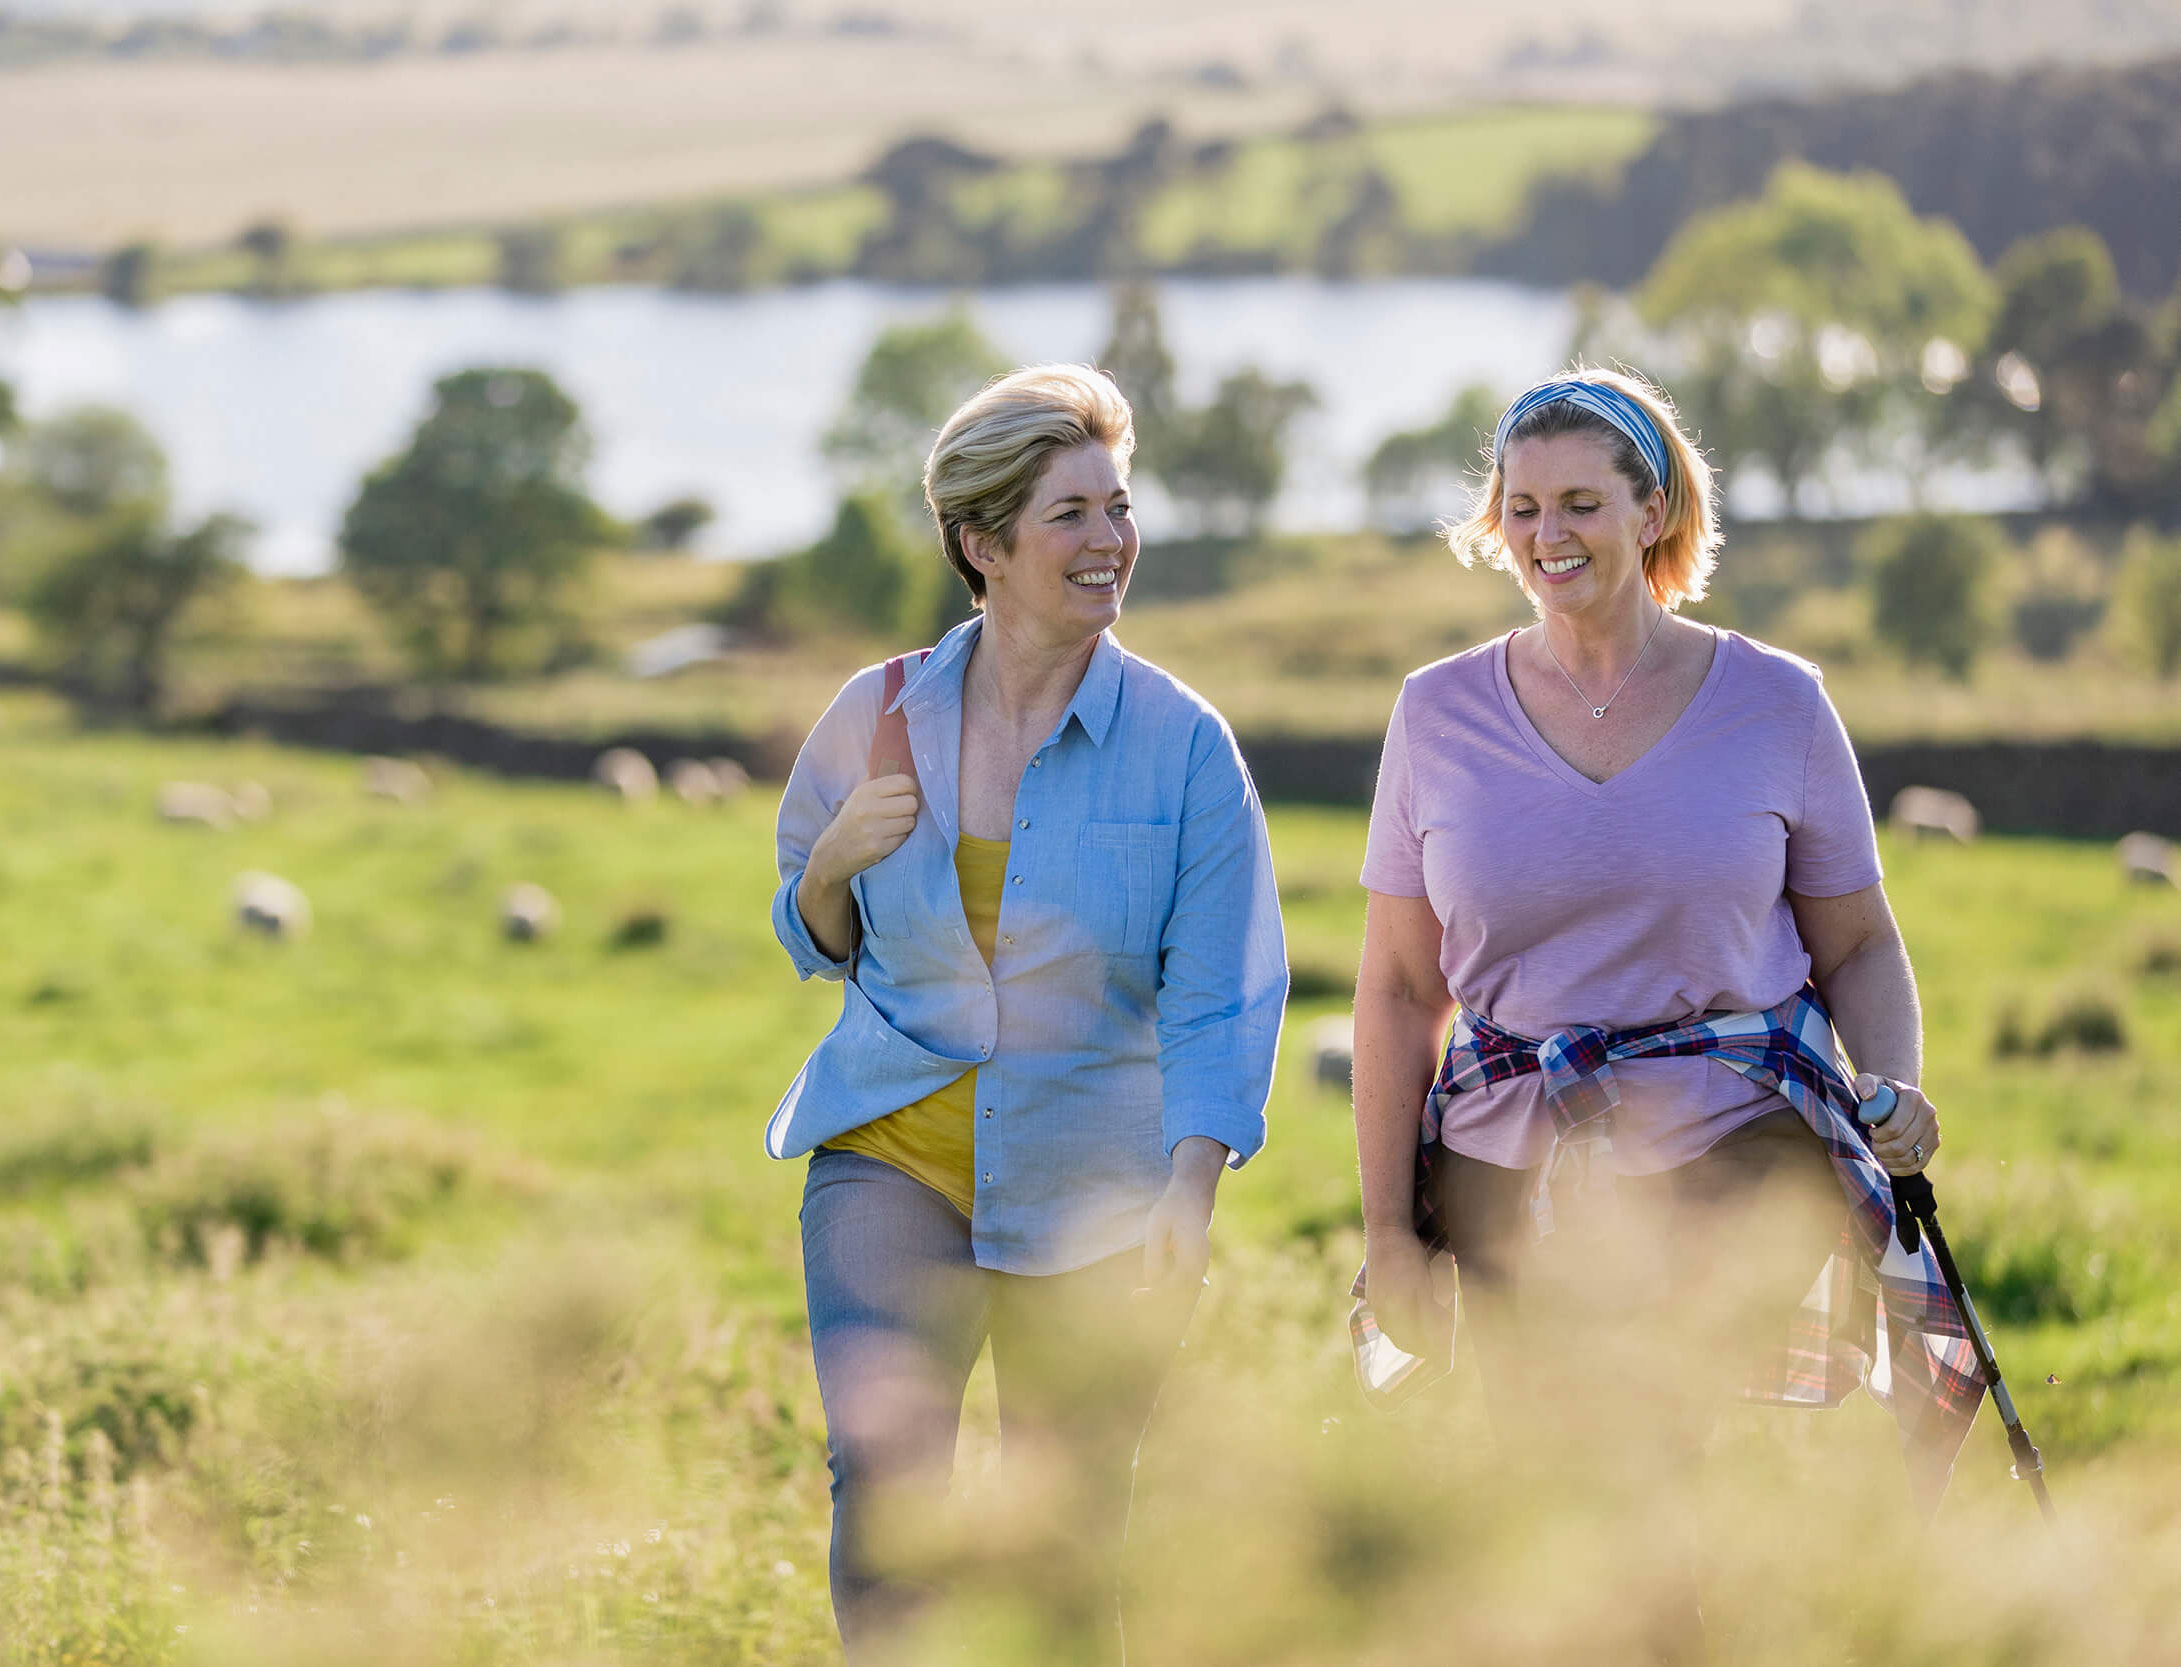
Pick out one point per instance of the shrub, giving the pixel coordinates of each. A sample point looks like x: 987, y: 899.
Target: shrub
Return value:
x: 2089, y: 1021
x: 326, y: 1188
x: 79, y: 1575
x: 1930, y: 579
x: 2147, y: 601
x: 72, y: 1145
x: 640, y: 929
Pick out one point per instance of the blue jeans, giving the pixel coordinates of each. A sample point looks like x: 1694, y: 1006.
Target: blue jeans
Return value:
x: 899, y: 1311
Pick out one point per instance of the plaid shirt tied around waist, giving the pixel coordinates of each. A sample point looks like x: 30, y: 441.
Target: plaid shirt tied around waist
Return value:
x: 1879, y: 1317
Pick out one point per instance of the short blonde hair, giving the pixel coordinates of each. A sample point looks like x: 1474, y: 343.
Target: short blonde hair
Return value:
x: 990, y: 454
x: 1679, y: 565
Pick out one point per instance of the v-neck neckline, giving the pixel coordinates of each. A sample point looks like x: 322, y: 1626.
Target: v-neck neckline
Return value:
x: 1550, y: 757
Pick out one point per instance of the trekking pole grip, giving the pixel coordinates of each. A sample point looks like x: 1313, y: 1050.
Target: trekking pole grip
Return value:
x: 1913, y: 1200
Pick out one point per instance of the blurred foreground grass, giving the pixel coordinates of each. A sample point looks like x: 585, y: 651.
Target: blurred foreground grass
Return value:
x: 405, y: 1295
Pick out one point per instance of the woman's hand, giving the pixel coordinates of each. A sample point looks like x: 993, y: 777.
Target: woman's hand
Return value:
x: 1907, y: 1140
x: 870, y: 826
x: 1178, y: 1232
x: 1398, y: 1288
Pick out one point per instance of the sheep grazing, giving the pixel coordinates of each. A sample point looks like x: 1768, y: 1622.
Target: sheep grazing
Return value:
x: 528, y: 913
x: 1333, y: 1053
x: 1934, y: 813
x: 253, y: 801
x: 627, y: 773
x: 196, y: 803
x: 273, y: 907
x: 693, y: 782
x: 397, y: 779
x: 2146, y: 859
x: 733, y: 780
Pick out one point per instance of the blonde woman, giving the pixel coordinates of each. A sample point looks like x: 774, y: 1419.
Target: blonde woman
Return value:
x: 1629, y: 860
x: 1039, y: 869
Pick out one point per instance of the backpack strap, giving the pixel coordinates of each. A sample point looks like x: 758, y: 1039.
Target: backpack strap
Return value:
x: 890, y: 754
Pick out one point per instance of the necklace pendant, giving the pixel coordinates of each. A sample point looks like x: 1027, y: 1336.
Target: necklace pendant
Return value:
x: 1597, y: 711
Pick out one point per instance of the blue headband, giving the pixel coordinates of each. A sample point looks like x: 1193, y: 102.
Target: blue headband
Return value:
x: 1600, y: 400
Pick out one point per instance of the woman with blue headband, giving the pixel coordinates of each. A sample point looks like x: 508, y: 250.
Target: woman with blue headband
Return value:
x: 1625, y: 914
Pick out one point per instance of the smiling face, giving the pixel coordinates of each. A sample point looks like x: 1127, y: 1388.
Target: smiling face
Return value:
x: 1574, y: 528
x: 1075, y: 545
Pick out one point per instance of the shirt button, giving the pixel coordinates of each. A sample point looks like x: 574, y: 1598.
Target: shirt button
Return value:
x: 1037, y: 762
x: 1024, y: 823
x: 1018, y: 879
x: 988, y: 1177
x: 1007, y: 937
x: 988, y: 1111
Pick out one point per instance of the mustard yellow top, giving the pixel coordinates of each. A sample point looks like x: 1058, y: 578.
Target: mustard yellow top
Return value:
x: 935, y: 1140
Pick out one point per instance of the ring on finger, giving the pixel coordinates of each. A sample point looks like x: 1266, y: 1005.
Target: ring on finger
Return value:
x: 1917, y: 1151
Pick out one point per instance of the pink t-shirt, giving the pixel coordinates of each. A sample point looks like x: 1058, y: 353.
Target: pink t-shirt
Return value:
x: 1658, y: 895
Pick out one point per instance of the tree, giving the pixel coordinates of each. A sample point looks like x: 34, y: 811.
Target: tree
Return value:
x: 478, y: 526
x: 130, y: 275
x: 868, y: 574
x: 1230, y: 456
x: 721, y: 255
x: 1930, y: 583
x: 530, y: 260
x: 2147, y: 600
x: 94, y: 459
x: 1142, y: 367
x: 910, y: 383
x: 10, y: 415
x: 1411, y: 475
x: 672, y: 525
x: 270, y: 243
x: 1809, y: 315
x: 111, y: 605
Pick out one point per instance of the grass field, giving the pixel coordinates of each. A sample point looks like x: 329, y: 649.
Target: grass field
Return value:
x: 402, y: 1294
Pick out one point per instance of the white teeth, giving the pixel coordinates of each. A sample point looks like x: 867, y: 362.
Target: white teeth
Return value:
x: 1567, y: 564
x: 1104, y: 576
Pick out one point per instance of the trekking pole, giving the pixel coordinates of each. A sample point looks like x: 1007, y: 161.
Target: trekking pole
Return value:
x: 1915, y: 1204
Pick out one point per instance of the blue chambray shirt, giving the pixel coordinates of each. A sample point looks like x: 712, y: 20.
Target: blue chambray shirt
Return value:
x: 1139, y: 976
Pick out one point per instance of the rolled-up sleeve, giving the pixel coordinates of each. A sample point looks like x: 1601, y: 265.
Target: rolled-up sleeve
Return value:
x: 1223, y: 959
x: 826, y: 772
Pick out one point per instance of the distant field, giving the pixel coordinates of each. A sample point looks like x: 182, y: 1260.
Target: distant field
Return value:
x: 434, y: 1305
x: 1452, y: 175
x: 189, y: 152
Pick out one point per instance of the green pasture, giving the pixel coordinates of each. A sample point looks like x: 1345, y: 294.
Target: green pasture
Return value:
x: 1458, y: 173
x: 1453, y: 174
x: 404, y: 1294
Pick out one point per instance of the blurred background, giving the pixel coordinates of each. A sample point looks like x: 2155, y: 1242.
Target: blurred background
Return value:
x: 450, y: 453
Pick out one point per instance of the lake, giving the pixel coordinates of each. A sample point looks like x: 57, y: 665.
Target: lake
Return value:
x: 277, y: 409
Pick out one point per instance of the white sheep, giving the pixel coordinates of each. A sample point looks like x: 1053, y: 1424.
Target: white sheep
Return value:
x: 1333, y: 1052
x: 196, y: 802
x: 528, y: 913
x: 1934, y: 813
x: 693, y: 782
x: 397, y: 779
x: 267, y: 904
x: 627, y: 773
x: 2146, y: 859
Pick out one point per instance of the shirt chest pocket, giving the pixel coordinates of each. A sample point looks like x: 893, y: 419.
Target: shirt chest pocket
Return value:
x: 891, y: 896
x: 1124, y: 883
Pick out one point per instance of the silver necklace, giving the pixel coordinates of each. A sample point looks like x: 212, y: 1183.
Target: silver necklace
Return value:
x: 1600, y: 711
